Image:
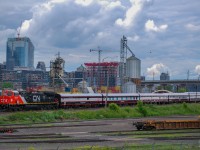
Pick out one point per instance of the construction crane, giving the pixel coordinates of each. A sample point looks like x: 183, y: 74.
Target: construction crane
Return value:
x: 19, y: 30
x: 99, y: 51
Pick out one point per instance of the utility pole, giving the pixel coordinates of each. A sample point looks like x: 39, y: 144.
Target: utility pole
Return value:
x: 188, y: 74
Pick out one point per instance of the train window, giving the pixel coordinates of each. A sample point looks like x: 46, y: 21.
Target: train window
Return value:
x: 9, y: 93
x: 87, y: 98
x: 16, y: 93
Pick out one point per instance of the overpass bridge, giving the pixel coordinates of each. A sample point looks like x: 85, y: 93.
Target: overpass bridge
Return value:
x: 190, y: 85
x: 170, y: 82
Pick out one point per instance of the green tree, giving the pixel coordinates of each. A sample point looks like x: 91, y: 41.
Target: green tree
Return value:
x: 167, y: 87
x: 182, y: 90
x: 7, y: 85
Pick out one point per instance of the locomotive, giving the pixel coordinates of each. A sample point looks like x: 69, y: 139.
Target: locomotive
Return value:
x: 14, y: 100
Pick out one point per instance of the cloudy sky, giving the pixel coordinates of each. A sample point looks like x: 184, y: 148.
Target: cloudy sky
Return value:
x: 164, y: 34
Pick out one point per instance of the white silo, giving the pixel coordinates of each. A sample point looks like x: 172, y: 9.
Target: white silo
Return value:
x: 133, y: 68
x: 82, y: 86
x: 133, y: 75
x: 129, y: 87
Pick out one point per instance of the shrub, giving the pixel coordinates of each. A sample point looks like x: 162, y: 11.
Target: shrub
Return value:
x: 185, y: 106
x: 141, y: 108
x: 114, y: 107
x: 127, y: 109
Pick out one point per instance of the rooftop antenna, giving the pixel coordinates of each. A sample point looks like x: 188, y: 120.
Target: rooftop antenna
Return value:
x: 19, y: 30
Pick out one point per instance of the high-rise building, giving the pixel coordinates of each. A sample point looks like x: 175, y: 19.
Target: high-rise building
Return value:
x: 20, y: 53
x: 102, y: 74
x: 41, y: 66
x: 164, y: 76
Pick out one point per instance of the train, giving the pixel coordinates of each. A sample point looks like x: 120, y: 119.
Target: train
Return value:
x: 15, y: 100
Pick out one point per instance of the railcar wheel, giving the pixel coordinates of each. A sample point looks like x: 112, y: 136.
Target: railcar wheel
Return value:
x: 138, y: 128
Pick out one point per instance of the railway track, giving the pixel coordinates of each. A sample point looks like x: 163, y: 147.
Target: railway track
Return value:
x: 71, y: 134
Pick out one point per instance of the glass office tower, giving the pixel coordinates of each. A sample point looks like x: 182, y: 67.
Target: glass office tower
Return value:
x: 20, y: 53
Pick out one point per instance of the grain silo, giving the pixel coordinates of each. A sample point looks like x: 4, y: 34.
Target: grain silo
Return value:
x: 133, y: 68
x: 133, y: 73
x: 129, y: 87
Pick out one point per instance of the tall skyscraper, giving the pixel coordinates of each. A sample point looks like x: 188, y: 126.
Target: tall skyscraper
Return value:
x: 20, y: 53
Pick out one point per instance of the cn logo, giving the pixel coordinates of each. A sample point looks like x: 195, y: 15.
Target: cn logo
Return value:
x: 36, y: 98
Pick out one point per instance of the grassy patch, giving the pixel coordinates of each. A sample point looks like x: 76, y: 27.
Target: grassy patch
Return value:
x: 144, y: 147
x: 113, y: 111
x: 157, y: 133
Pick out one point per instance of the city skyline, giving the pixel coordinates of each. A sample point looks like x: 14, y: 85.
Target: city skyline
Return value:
x: 164, y: 35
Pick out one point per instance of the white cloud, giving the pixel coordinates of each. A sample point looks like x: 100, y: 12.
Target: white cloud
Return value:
x: 131, y: 13
x: 7, y: 33
x: 150, y: 26
x: 110, y: 4
x: 4, y: 34
x: 197, y: 69
x: 102, y: 34
x: 25, y: 26
x: 42, y: 8
x: 193, y: 27
x: 83, y: 2
x: 156, y: 69
x: 133, y: 38
x: 73, y: 27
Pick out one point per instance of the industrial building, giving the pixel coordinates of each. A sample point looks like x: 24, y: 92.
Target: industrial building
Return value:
x: 23, y: 79
x: 129, y: 69
x: 75, y: 77
x: 164, y: 76
x: 41, y: 66
x: 19, y: 53
x: 102, y: 74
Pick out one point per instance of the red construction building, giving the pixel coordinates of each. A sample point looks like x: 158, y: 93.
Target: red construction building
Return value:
x: 102, y: 74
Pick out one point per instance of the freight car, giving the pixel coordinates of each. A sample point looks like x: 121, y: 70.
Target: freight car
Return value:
x: 167, y: 124
x: 11, y: 99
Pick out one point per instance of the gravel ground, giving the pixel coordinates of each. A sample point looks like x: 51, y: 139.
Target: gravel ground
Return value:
x: 70, y: 134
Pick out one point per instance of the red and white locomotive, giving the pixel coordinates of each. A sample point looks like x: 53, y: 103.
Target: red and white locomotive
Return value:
x: 12, y: 99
